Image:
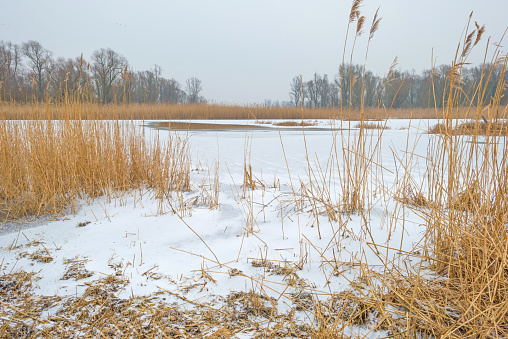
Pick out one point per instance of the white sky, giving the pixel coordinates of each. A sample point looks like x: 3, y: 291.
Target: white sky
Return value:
x: 245, y: 51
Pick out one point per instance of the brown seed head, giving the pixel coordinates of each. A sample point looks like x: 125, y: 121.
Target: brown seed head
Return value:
x: 355, y: 10
x: 480, y: 30
x: 375, y: 25
x: 359, y: 25
x: 468, y: 44
x: 392, y: 67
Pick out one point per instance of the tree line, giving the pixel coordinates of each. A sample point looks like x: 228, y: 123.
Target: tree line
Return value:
x: 29, y: 72
x: 399, y: 89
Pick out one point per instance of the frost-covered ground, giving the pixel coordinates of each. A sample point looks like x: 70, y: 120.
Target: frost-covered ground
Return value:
x: 201, y: 253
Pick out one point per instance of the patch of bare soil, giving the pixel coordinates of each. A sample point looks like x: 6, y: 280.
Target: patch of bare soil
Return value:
x: 201, y: 126
x: 294, y: 123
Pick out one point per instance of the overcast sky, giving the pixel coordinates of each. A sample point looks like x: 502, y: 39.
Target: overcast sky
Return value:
x: 245, y: 51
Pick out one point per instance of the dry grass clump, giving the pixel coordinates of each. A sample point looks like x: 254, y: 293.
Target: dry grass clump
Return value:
x: 46, y: 165
x: 15, y: 284
x: 371, y: 125
x: 470, y: 246
x: 411, y: 196
x: 41, y: 256
x: 245, y: 303
x: 493, y: 128
x: 76, y: 269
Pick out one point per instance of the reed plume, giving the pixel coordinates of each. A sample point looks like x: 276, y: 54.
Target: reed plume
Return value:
x: 355, y: 10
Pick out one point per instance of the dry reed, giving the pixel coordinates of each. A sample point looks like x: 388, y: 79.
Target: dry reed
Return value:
x: 36, y: 111
x: 46, y: 165
x: 492, y: 128
x: 371, y: 125
x: 467, y: 223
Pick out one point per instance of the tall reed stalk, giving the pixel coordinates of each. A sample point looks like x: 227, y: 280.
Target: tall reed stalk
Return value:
x: 47, y: 165
x: 466, y: 218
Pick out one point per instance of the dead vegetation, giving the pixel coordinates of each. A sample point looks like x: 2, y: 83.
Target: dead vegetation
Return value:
x: 54, y: 111
x: 48, y: 166
x: 483, y: 127
x: 99, y: 312
x: 38, y: 256
x: 76, y: 269
x: 371, y: 125
x: 412, y: 196
x: 467, y: 223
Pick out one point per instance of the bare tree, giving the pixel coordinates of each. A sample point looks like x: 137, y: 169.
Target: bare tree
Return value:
x: 172, y: 91
x: 10, y: 63
x: 146, y: 86
x: 349, y: 81
x: 334, y: 93
x: 325, y: 91
x: 150, y: 84
x: 39, y: 62
x: 69, y: 76
x: 295, y: 93
x: 371, y: 84
x: 107, y: 67
x: 313, y: 92
x: 193, y: 88
x: 157, y: 73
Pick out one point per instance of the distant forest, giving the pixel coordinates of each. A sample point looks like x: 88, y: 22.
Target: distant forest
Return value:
x: 399, y: 89
x: 29, y: 72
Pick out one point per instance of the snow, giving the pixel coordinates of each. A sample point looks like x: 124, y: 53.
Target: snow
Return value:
x: 161, y: 251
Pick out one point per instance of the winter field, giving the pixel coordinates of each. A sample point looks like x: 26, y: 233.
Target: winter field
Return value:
x: 373, y: 204
x: 334, y: 229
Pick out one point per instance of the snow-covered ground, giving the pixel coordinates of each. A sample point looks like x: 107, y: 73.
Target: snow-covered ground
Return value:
x: 201, y: 253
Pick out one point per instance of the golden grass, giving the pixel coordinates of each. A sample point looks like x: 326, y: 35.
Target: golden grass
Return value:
x: 468, y: 230
x: 16, y: 111
x: 467, y: 223
x: 492, y: 128
x: 47, y: 165
x: 371, y: 125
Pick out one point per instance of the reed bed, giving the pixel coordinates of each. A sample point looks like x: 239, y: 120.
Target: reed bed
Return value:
x: 468, y: 229
x: 80, y: 110
x: 466, y: 219
x: 47, y: 165
x: 484, y: 127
